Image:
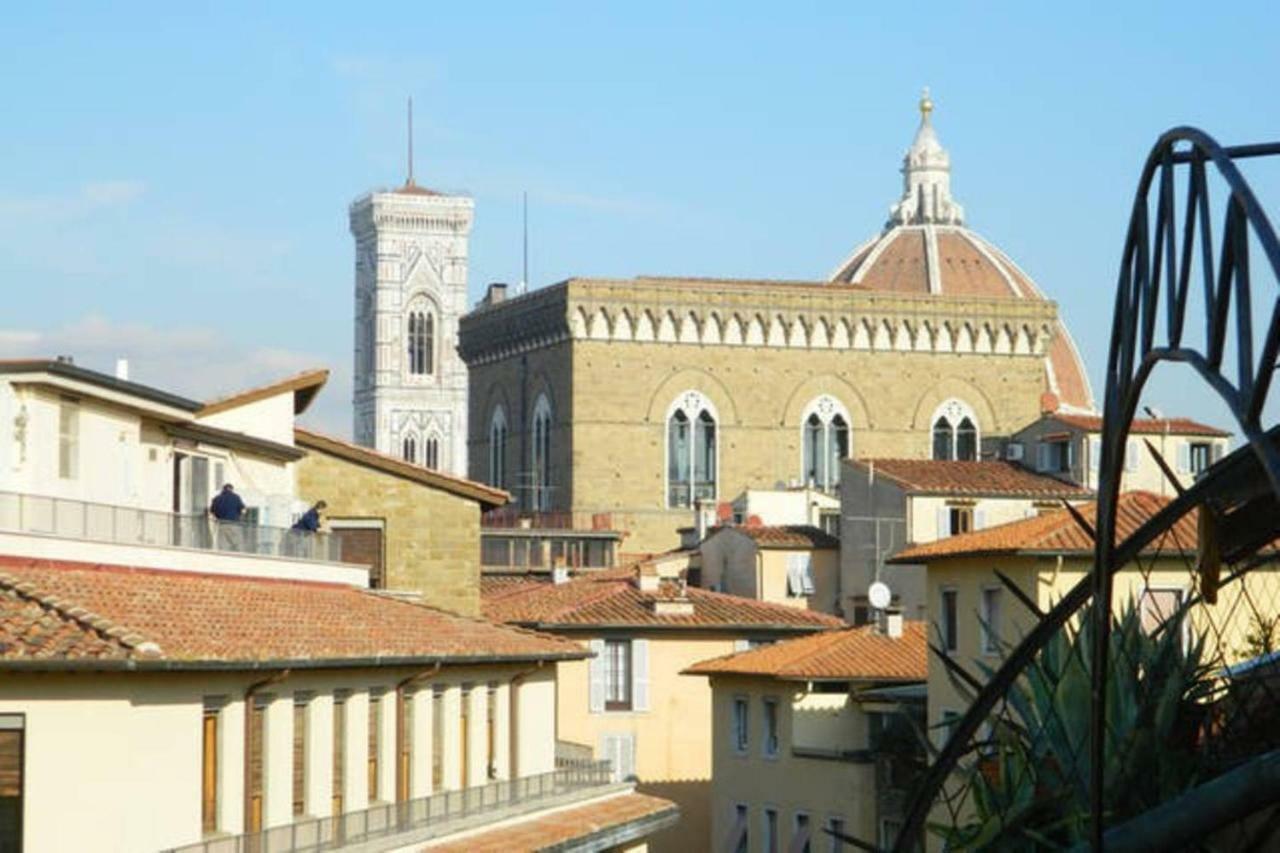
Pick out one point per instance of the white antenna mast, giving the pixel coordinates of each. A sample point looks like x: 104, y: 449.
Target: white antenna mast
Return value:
x: 524, y: 268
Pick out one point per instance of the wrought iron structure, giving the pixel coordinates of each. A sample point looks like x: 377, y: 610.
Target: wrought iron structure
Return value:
x: 1172, y: 245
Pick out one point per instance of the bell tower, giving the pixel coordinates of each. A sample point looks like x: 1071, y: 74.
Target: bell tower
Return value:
x: 410, y: 395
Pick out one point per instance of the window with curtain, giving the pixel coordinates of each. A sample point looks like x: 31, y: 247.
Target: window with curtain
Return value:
x: 955, y: 432
x: 541, y: 455
x: 691, y: 451
x: 825, y: 442
x: 498, y: 448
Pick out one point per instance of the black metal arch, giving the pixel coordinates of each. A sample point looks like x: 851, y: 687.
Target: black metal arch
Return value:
x: 1156, y: 270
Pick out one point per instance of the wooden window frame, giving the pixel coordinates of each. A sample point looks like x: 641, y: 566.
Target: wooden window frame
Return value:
x: 624, y: 681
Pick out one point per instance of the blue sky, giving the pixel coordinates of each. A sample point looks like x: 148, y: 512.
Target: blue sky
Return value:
x: 174, y: 178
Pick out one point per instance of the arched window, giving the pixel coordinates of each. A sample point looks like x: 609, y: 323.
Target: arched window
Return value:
x: 541, y: 455
x: 409, y: 449
x: 955, y: 431
x: 422, y: 336
x: 432, y: 455
x: 498, y: 448
x: 691, y: 450
x: 825, y: 442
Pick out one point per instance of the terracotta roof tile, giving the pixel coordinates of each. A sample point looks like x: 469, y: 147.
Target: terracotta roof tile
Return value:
x: 1057, y: 532
x: 986, y: 477
x: 213, y: 618
x: 613, y: 598
x: 562, y: 827
x: 861, y: 653
x: 786, y: 535
x: 1143, y: 426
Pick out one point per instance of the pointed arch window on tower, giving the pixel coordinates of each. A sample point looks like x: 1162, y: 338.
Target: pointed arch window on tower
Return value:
x: 691, y: 451
x: 409, y: 449
x: 422, y: 334
x: 431, y: 454
x: 498, y: 448
x: 955, y: 432
x: 825, y: 442
x: 540, y: 488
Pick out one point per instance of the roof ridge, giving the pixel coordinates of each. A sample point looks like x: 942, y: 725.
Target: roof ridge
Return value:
x: 89, y: 620
x: 476, y: 620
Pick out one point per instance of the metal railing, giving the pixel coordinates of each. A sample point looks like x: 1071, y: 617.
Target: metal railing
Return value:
x: 434, y: 811
x: 123, y: 525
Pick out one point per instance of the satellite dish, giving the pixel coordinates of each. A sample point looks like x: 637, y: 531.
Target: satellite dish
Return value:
x: 880, y: 595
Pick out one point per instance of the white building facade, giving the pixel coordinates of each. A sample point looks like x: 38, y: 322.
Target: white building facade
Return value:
x: 410, y: 397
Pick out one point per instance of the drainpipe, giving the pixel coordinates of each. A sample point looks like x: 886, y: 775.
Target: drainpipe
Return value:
x: 513, y: 727
x: 402, y: 773
x: 249, y: 693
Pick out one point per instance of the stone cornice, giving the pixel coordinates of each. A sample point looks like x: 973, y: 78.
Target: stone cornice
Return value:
x: 793, y: 315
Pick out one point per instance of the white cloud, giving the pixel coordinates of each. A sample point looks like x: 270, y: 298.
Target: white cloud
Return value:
x: 194, y: 362
x: 89, y: 198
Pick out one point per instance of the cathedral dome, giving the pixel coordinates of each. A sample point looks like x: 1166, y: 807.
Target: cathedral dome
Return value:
x: 925, y: 248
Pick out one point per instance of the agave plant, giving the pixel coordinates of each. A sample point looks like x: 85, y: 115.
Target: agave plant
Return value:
x: 1028, y: 787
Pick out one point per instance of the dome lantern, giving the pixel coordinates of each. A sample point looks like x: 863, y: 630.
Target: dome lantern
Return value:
x: 926, y: 178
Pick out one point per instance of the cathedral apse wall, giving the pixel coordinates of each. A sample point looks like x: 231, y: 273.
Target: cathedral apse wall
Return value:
x: 748, y: 365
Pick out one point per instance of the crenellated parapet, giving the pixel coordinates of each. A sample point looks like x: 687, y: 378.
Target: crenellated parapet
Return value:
x: 735, y: 313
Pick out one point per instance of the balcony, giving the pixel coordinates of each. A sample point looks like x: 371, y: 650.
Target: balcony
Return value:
x: 415, y: 821
x: 41, y: 526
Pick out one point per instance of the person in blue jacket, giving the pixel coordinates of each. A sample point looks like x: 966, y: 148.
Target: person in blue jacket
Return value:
x: 310, y: 520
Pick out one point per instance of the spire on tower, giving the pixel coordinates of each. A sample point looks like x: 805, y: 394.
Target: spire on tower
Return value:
x: 409, y: 180
x: 926, y: 178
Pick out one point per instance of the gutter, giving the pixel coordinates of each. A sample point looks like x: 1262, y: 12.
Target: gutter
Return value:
x: 136, y: 665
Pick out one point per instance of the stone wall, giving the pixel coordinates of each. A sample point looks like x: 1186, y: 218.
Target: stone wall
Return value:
x: 431, y: 537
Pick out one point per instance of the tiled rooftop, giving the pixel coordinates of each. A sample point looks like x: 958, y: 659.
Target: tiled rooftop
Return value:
x: 1057, y: 532
x: 986, y: 477
x: 561, y: 828
x: 64, y: 610
x: 613, y: 598
x: 787, y: 535
x: 863, y: 653
x: 1144, y: 426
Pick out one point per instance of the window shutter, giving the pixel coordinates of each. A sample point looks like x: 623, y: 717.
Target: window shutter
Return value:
x: 794, y: 582
x: 609, y: 752
x: 627, y: 751
x: 1184, y: 457
x: 1042, y: 457
x: 944, y: 522
x: 640, y: 675
x: 1071, y: 455
x: 979, y: 519
x: 806, y: 569
x: 595, y: 670
x: 1218, y: 447
x: 1131, y: 455
x: 1095, y: 452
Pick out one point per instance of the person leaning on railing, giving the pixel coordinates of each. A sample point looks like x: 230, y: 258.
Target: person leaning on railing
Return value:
x: 307, y: 526
x: 227, y: 510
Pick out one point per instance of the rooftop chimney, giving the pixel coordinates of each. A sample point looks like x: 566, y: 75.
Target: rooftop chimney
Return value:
x: 647, y: 579
x: 122, y: 369
x: 559, y: 571
x: 66, y: 359
x: 496, y: 293
x: 891, y: 622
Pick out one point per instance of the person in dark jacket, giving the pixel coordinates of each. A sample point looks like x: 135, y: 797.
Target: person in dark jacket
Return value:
x: 227, y: 509
x: 310, y: 520
x: 227, y: 505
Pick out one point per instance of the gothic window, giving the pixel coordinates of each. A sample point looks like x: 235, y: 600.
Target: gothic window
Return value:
x: 431, y: 455
x: 955, y: 431
x: 541, y: 455
x: 498, y: 448
x: 691, y: 450
x: 825, y: 442
x: 422, y: 337
x: 409, y: 449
